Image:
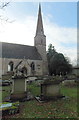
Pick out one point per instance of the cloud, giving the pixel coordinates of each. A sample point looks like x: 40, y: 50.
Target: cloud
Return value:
x: 22, y: 33
x: 64, y: 39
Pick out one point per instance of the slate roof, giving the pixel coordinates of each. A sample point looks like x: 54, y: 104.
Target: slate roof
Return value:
x: 17, y: 51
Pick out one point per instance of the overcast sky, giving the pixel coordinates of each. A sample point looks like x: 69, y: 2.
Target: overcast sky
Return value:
x: 59, y: 22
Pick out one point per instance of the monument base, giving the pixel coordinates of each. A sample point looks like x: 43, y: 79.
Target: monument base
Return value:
x: 18, y: 96
x: 48, y: 98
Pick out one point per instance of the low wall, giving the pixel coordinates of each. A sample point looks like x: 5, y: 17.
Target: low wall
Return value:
x: 69, y: 83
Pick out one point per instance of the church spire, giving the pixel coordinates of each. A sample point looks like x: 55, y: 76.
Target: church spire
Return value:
x: 39, y: 29
x: 40, y: 42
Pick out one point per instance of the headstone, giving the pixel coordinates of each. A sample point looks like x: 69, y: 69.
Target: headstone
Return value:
x: 19, y: 85
x: 50, y: 89
x: 19, y: 90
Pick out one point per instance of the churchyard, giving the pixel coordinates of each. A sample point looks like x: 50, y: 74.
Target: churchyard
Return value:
x: 65, y: 107
x: 51, y: 92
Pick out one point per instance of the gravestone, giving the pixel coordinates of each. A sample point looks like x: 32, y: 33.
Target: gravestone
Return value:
x: 50, y: 89
x: 19, y: 89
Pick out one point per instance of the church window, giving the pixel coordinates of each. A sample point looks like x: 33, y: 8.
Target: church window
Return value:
x: 10, y: 66
x: 32, y: 66
x: 38, y: 66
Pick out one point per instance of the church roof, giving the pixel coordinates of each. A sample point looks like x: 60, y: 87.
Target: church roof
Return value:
x: 17, y: 51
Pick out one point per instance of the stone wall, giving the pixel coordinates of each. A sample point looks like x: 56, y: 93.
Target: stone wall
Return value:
x: 5, y: 61
x: 40, y: 44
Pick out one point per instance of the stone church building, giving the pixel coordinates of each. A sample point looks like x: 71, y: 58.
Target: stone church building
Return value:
x: 32, y: 57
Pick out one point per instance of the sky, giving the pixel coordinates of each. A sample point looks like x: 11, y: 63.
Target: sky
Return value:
x: 59, y: 22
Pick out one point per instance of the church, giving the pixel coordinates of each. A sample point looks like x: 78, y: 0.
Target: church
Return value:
x: 32, y: 57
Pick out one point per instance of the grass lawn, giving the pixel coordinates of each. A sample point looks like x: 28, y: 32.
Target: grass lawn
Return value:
x: 4, y: 92
x: 62, y: 108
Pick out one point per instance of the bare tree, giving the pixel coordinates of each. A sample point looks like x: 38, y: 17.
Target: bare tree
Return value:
x: 3, y: 5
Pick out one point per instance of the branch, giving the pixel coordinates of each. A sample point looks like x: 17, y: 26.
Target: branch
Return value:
x: 6, y: 20
x: 2, y: 18
x: 4, y: 4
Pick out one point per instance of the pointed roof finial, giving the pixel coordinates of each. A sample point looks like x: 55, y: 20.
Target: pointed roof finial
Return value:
x: 39, y: 22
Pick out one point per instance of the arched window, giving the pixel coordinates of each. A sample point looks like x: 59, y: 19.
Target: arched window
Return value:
x: 10, y: 66
x: 32, y: 66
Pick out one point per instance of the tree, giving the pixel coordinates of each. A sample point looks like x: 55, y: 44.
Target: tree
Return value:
x: 51, y: 51
x: 57, y: 63
x: 2, y: 6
